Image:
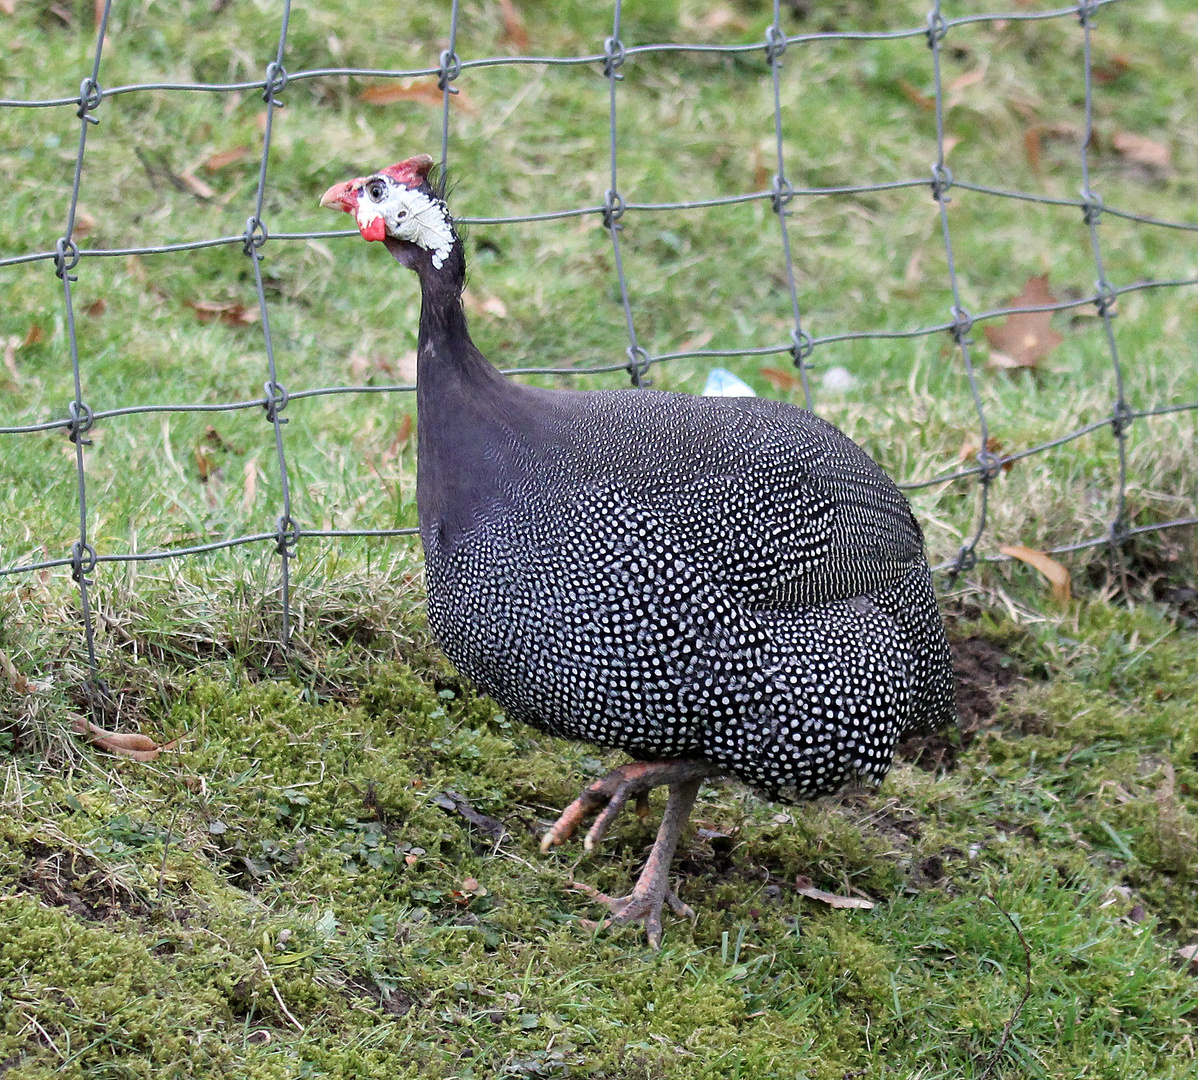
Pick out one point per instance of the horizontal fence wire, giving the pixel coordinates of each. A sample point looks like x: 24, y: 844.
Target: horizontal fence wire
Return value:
x: 777, y: 48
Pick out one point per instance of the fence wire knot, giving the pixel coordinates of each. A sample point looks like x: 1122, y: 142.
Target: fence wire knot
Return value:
x: 613, y: 57
x: 1091, y: 206
x: 276, y: 83
x: 255, y: 234
x: 965, y: 561
x: 66, y: 257
x: 775, y: 44
x: 991, y: 465
x: 961, y: 326
x: 1086, y: 10
x: 1105, y: 298
x: 451, y: 68
x: 937, y: 29
x: 276, y: 401
x: 1122, y: 419
x: 80, y: 422
x: 83, y: 561
x: 942, y: 180
x: 801, y: 346
x: 613, y: 209
x: 90, y: 96
x: 638, y: 365
x: 781, y: 192
x: 287, y: 534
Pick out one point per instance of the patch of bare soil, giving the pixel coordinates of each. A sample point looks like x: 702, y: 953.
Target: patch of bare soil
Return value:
x: 73, y: 880
x: 983, y: 672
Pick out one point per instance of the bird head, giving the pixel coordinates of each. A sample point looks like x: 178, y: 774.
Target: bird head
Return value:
x: 399, y: 206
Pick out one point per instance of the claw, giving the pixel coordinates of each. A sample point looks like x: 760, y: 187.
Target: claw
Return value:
x: 608, y: 795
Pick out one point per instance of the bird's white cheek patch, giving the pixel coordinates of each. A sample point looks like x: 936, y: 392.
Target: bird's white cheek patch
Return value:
x: 425, y: 222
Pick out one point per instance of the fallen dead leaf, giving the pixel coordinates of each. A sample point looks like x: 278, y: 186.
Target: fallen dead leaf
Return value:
x: 761, y: 172
x: 96, y: 308
x: 11, y: 344
x: 514, y: 30
x: 969, y: 450
x: 697, y: 342
x: 1025, y: 338
x: 85, y: 224
x: 196, y: 186
x: 214, y: 438
x: 233, y: 312
x: 722, y: 18
x: 206, y: 463
x: 804, y: 887
x: 35, y: 336
x: 1189, y: 953
x: 967, y: 79
x: 1057, y: 574
x: 916, y: 96
x: 123, y: 744
x: 487, y: 305
x: 1033, y: 148
x: 423, y: 91
x: 402, y: 434
x: 1142, y: 151
x: 781, y: 380
x: 249, y: 476
x: 1107, y: 71
x: 16, y: 681
x: 222, y: 159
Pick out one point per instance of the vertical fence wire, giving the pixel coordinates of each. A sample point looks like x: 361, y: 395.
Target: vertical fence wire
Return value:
x: 287, y: 531
x: 962, y: 324
x: 781, y: 194
x: 1121, y: 415
x: 66, y: 251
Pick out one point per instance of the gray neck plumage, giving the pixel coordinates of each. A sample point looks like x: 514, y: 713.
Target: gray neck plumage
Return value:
x: 465, y: 408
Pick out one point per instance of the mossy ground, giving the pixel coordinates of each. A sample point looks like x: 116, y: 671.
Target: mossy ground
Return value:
x: 298, y: 891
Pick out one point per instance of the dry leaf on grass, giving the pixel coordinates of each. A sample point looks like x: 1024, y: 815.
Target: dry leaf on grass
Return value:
x: 1189, y: 954
x: 1142, y: 151
x: 123, y: 744
x: 422, y: 91
x: 781, y: 380
x: 35, y: 336
x: 233, y: 312
x: 1025, y: 338
x: 1107, y: 71
x: 916, y: 96
x: 515, y: 32
x: 1057, y: 574
x: 804, y: 887
x: 222, y: 159
x: 11, y: 345
x: 16, y: 681
x: 970, y: 448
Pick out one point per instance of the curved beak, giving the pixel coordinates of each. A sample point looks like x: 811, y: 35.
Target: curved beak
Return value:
x: 342, y: 196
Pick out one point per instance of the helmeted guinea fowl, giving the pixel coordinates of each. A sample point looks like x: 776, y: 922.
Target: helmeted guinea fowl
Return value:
x: 719, y: 586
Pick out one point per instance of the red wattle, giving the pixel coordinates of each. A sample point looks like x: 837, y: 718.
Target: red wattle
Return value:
x: 376, y: 230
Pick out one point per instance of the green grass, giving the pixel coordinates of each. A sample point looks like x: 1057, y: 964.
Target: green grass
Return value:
x: 287, y: 896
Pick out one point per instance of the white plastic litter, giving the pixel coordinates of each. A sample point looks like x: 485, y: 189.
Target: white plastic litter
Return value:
x: 722, y: 383
x: 838, y: 379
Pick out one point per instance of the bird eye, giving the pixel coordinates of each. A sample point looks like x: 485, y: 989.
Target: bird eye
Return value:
x: 375, y: 189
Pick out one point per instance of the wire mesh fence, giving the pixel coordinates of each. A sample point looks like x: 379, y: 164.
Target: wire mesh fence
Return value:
x: 69, y: 260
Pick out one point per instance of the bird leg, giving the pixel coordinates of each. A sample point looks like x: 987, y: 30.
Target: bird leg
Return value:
x: 636, y: 779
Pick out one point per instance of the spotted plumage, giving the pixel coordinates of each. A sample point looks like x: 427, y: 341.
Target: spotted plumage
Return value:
x: 715, y: 585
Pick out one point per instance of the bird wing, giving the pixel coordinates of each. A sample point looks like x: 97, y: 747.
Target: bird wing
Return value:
x: 776, y: 504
